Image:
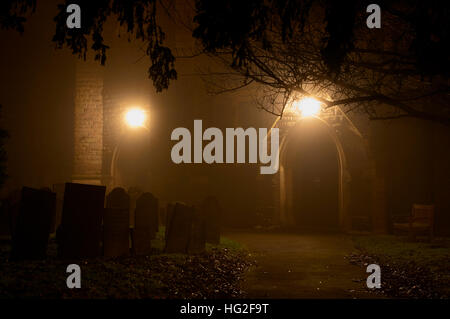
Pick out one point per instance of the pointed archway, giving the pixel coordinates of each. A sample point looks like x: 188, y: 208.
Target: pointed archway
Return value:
x: 326, y: 175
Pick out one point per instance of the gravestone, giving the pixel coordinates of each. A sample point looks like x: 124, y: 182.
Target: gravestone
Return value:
x: 212, y: 212
x: 134, y: 193
x: 79, y: 234
x: 146, y: 224
x: 178, y: 229
x: 36, y: 210
x: 116, y: 224
x: 10, y: 211
x: 197, y: 239
x: 4, y: 221
x: 169, y: 213
x: 162, y: 215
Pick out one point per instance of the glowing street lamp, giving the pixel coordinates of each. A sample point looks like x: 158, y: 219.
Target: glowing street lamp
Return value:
x: 135, y: 117
x: 307, y: 107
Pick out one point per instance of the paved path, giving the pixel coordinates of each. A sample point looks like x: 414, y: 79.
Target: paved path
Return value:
x: 293, y: 265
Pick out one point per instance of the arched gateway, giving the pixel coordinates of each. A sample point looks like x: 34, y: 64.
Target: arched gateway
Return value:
x: 326, y: 175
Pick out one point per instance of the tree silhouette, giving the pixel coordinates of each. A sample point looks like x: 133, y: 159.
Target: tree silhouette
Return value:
x: 290, y: 48
x: 325, y: 49
x: 139, y: 17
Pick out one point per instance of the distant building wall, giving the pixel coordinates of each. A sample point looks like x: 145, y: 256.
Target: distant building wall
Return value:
x: 413, y: 157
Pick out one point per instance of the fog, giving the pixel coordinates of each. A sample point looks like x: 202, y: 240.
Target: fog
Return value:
x: 38, y: 93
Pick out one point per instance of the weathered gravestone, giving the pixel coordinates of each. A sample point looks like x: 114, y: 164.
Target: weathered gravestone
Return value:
x: 134, y: 193
x: 197, y: 238
x: 79, y: 234
x: 169, y: 213
x: 36, y: 210
x: 146, y: 224
x: 162, y: 215
x: 10, y: 211
x: 211, y: 212
x: 116, y: 224
x: 178, y: 228
x: 4, y: 221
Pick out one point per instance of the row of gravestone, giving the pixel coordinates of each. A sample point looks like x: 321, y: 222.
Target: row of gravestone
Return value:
x: 87, y: 229
x: 188, y: 228
x: 116, y: 223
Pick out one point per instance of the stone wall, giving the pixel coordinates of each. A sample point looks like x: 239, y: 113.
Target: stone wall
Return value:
x: 88, y: 123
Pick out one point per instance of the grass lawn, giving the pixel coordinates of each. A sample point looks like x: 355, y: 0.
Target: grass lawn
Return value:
x: 408, y: 269
x: 215, y: 273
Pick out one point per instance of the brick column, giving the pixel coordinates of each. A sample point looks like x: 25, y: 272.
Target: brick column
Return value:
x: 88, y: 128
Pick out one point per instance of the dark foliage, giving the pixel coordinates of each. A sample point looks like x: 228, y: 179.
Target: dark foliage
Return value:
x: 290, y: 48
x: 406, y: 280
x: 324, y: 48
x: 139, y: 17
x: 214, y: 274
x: 12, y: 13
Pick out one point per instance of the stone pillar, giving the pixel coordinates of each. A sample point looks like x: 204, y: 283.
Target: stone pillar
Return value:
x: 88, y: 120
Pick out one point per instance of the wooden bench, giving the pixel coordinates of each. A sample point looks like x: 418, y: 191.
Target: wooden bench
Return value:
x: 421, y: 222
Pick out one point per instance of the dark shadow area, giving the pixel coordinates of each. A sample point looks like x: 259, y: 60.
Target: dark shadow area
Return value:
x: 314, y: 162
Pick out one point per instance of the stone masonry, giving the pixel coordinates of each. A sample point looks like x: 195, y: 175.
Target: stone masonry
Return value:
x: 88, y: 126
